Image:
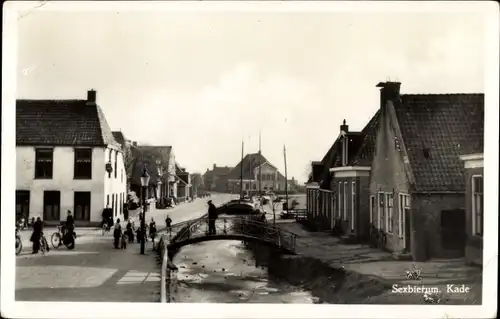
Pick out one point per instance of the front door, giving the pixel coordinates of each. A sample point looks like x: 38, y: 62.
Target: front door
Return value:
x: 22, y: 204
x: 51, y: 206
x: 407, y: 229
x: 82, y: 206
x: 453, y: 232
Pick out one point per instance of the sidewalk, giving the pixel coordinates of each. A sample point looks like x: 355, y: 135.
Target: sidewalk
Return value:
x: 380, y: 265
x: 94, y: 271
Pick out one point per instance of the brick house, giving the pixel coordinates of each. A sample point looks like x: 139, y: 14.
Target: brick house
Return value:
x: 417, y: 187
x: 474, y: 218
x: 67, y: 159
x: 338, y: 189
x: 216, y: 178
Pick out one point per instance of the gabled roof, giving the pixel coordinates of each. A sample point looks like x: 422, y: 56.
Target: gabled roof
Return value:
x: 360, y: 151
x: 436, y: 130
x: 249, y: 163
x: 146, y: 156
x: 119, y: 137
x: 221, y: 171
x: 61, y: 122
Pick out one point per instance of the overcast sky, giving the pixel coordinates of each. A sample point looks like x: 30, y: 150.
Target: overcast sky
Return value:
x: 203, y: 81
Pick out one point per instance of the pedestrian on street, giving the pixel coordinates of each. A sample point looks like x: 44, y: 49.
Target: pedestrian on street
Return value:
x: 152, y: 231
x: 117, y: 233
x: 37, y: 234
x: 168, y: 223
x: 130, y: 231
x: 212, y: 216
x: 138, y: 234
x: 70, y: 227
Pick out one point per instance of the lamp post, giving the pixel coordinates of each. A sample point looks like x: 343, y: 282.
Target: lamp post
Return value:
x: 144, y: 184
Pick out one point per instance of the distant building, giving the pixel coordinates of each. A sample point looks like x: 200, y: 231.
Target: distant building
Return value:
x: 216, y: 179
x: 248, y: 171
x: 184, y: 183
x: 67, y: 159
x: 197, y: 184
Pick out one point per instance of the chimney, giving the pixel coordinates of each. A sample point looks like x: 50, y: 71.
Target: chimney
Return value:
x: 388, y: 91
x: 344, y: 129
x: 91, y: 97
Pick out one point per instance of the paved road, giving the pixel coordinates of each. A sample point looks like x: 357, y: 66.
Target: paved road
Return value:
x: 95, y: 271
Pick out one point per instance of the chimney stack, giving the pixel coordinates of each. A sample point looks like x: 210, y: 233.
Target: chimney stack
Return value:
x: 388, y: 91
x: 344, y: 127
x: 91, y: 97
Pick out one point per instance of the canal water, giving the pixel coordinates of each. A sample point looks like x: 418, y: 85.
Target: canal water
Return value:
x: 226, y: 272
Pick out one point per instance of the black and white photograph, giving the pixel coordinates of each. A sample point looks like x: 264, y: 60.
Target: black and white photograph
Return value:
x: 213, y: 159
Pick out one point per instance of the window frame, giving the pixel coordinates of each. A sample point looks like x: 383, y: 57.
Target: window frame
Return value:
x: 380, y: 216
x: 43, y: 162
x: 389, y: 208
x: 473, y: 203
x: 339, y: 201
x: 116, y: 164
x: 82, y: 160
x: 353, y: 205
x: 345, y: 200
x: 373, y: 205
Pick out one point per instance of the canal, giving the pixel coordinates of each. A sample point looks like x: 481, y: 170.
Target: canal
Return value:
x: 226, y: 272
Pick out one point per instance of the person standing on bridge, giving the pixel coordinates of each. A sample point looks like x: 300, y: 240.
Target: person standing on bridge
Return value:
x: 212, y: 216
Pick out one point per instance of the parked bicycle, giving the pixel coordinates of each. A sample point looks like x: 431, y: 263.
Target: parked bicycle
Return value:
x: 63, y: 237
x: 44, y: 245
x: 19, y: 242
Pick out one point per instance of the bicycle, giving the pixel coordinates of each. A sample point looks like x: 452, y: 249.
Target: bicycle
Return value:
x: 19, y: 242
x: 44, y: 246
x: 62, y: 237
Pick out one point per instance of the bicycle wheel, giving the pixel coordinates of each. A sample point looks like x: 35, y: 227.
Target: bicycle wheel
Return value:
x: 19, y: 245
x: 43, y: 247
x: 56, y: 240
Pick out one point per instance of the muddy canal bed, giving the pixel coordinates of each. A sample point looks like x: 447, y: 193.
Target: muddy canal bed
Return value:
x: 226, y: 272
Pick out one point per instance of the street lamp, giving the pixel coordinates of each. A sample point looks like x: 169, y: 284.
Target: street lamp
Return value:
x: 144, y: 184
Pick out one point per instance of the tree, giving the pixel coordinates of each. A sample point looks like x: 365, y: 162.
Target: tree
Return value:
x: 128, y: 160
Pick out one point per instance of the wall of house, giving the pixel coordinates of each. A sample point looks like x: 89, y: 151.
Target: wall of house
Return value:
x: 474, y: 244
x: 267, y: 184
x: 388, y: 175
x: 428, y: 208
x: 63, y: 180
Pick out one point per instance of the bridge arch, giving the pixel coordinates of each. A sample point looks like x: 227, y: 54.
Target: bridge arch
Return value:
x: 174, y: 248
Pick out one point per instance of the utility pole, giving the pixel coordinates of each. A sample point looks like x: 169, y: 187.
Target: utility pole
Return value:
x: 241, y: 169
x: 286, y: 178
x: 260, y: 167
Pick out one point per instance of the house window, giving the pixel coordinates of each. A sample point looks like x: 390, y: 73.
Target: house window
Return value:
x: 254, y: 186
x: 353, y: 207
x: 403, y: 205
x: 44, y: 158
x: 477, y: 205
x: 121, y: 175
x: 340, y: 200
x: 116, y: 164
x: 22, y: 204
x: 121, y: 203
x: 373, y: 208
x: 107, y: 201
x: 82, y: 206
x: 390, y: 204
x: 109, y: 161
x: 83, y: 163
x: 380, y: 210
x: 345, y: 200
